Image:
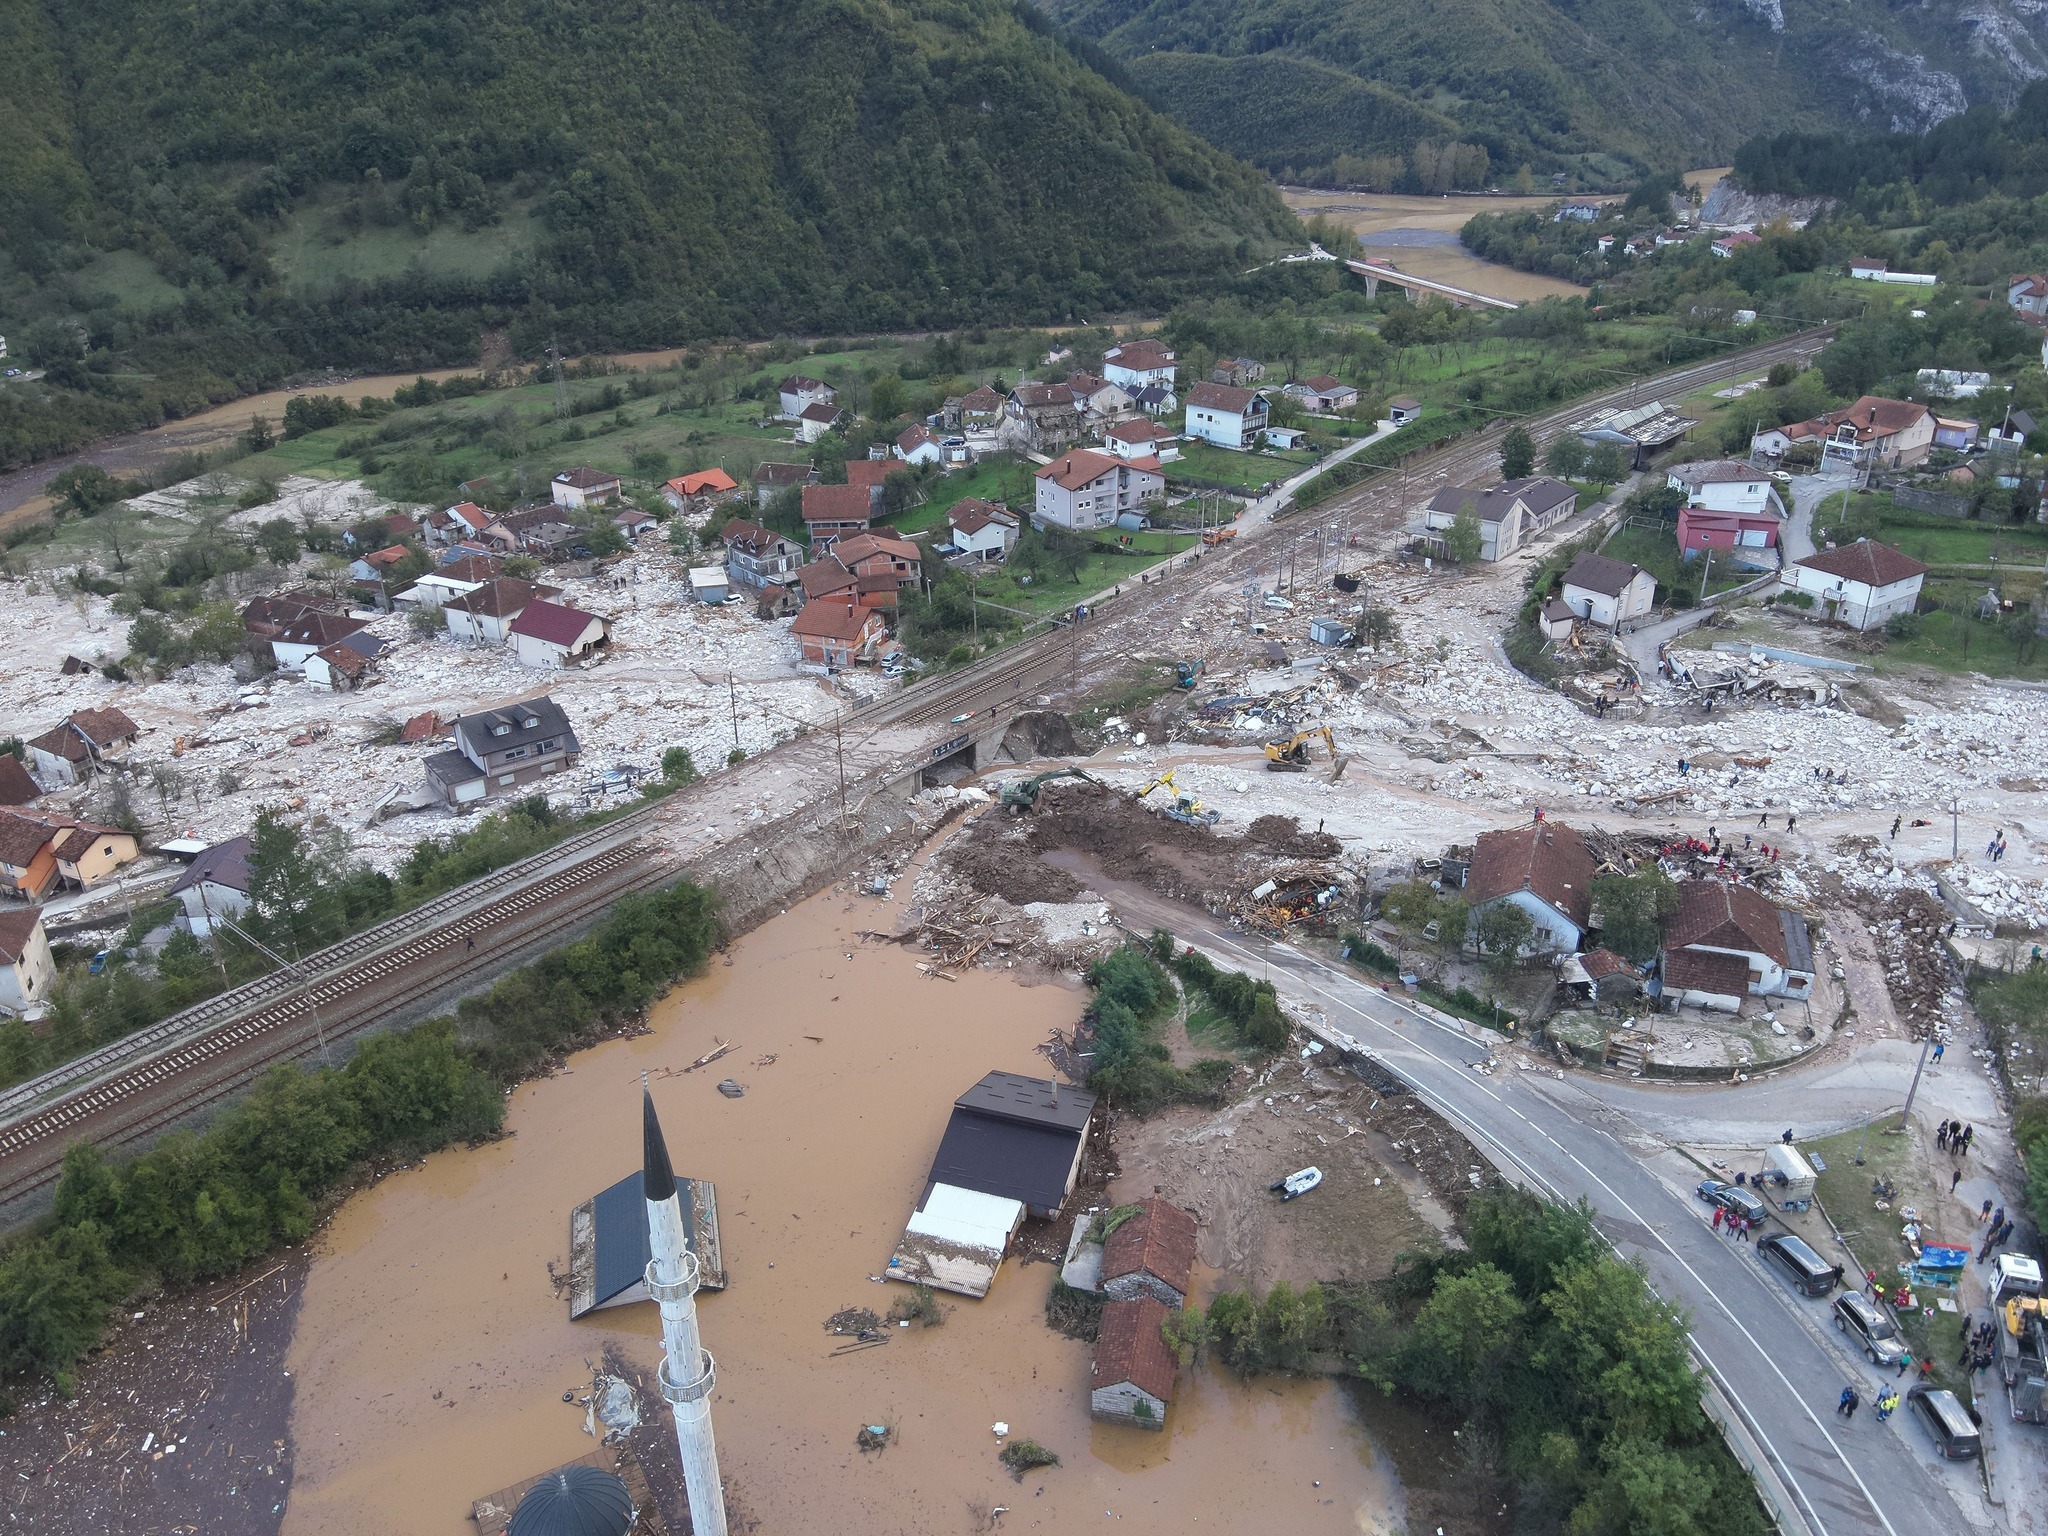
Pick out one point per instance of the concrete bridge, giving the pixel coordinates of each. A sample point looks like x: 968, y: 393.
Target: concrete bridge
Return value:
x: 1375, y: 273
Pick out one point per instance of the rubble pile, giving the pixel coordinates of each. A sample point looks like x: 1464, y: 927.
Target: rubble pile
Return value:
x: 1908, y: 931
x: 1752, y: 677
x: 678, y: 673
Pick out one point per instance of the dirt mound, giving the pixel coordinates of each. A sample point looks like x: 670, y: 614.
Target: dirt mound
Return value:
x: 1130, y: 843
x: 1041, y: 733
x: 995, y: 857
x: 1283, y: 834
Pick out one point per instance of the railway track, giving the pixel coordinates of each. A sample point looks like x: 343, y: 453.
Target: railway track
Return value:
x: 133, y: 1089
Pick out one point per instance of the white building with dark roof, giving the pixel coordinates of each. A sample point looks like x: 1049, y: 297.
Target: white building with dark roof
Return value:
x: 1510, y: 514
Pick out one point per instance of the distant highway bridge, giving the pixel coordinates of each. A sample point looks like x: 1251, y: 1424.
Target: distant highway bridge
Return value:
x: 1377, y: 272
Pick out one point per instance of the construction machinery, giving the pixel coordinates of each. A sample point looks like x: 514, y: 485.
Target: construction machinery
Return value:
x: 1214, y: 536
x: 2023, y: 1358
x: 1291, y: 755
x: 1185, y: 673
x: 1020, y: 795
x: 1185, y: 808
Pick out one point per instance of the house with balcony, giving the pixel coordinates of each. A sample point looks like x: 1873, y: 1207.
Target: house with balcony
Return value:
x: 1084, y: 490
x: 1225, y: 415
x: 503, y: 751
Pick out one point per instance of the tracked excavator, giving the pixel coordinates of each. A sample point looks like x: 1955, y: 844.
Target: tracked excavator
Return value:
x: 1185, y: 808
x: 1020, y: 795
x: 1291, y: 755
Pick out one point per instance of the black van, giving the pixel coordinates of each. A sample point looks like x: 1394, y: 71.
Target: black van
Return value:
x: 1862, y: 1319
x: 1802, y: 1266
x: 1955, y: 1436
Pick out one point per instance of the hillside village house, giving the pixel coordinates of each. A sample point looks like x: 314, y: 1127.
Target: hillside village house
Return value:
x: 1401, y: 410
x: 1890, y: 434
x: 72, y: 752
x: 2028, y: 293
x: 1141, y: 438
x: 1730, y: 506
x: 27, y: 968
x: 1510, y: 514
x: 503, y: 751
x: 632, y: 523
x: 814, y: 421
x: 1728, y: 245
x: 771, y: 477
x: 1546, y: 870
x: 453, y: 525
x: 1040, y: 418
x: 552, y: 635
x: 1954, y: 433
x: 880, y: 554
x: 918, y: 446
x: 1321, y: 395
x: 1228, y: 417
x: 457, y: 578
x: 584, y: 487
x: 834, y: 511
x: 834, y: 634
x: 1098, y: 399
x: 1157, y: 400
x: 40, y: 849
x: 1083, y: 490
x: 215, y: 885
x: 1607, y: 592
x: 1860, y: 585
x: 1135, y: 364
x: 981, y: 529
x: 756, y: 557
x: 799, y: 390
x: 1242, y: 372
x: 1577, y: 210
x: 1725, y: 942
x: 486, y: 614
x: 695, y: 492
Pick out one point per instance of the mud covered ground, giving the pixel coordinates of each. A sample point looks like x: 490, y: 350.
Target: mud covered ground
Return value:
x: 181, y: 1424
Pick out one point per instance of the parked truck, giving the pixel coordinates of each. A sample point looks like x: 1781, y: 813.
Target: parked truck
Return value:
x: 2023, y: 1358
x: 1789, y: 1177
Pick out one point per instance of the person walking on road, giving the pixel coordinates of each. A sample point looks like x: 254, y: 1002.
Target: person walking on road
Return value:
x: 1941, y: 1136
x: 1719, y: 1215
x: 469, y: 943
x: 1969, y: 1135
x: 1939, y: 1047
x: 1849, y: 1403
x: 1886, y: 1404
x: 1954, y: 1179
x: 1984, y: 1214
x: 1895, y: 829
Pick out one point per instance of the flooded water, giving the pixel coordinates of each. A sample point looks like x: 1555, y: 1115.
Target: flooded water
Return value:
x: 432, y: 1355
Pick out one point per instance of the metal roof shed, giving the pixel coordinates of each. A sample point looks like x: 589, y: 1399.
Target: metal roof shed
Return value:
x: 608, y: 1247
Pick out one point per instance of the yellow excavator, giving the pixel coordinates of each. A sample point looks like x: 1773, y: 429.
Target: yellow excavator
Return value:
x: 1185, y: 808
x: 1291, y: 755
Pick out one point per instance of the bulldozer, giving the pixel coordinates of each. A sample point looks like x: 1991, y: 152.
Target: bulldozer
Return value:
x: 1020, y: 795
x: 1185, y: 808
x: 1291, y: 755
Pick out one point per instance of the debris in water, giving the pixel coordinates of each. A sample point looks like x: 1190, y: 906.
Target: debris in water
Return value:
x: 872, y: 1437
x: 732, y: 1090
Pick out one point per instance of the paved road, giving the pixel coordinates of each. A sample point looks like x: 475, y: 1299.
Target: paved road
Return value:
x: 1763, y: 1345
x: 1808, y: 492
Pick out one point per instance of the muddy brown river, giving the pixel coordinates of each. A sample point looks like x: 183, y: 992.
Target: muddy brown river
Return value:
x: 432, y: 1353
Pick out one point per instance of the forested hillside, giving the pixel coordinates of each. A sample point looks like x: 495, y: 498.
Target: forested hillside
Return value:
x: 1590, y: 87
x: 196, y: 201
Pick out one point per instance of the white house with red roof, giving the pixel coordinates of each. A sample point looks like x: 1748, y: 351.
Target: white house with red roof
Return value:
x: 1225, y: 415
x: 1860, y: 585
x: 918, y: 446
x: 1136, y: 364
x: 2028, y: 294
x: 1141, y: 438
x: 981, y: 529
x: 553, y: 635
x: 799, y: 391
x: 1083, y: 489
x: 1728, y: 245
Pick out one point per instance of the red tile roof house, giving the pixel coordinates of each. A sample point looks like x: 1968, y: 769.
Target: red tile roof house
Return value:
x: 1718, y: 923
x: 872, y: 475
x: 918, y: 446
x: 1893, y: 434
x: 312, y: 631
x: 1151, y: 1254
x: 486, y: 614
x: 550, y: 635
x: 872, y: 554
x: 1860, y: 585
x: 16, y: 787
x: 73, y: 751
x: 814, y: 421
x: 834, y: 511
x: 1322, y: 395
x: 1131, y: 1380
x: 584, y: 487
x: 452, y: 525
x: 981, y: 528
x: 1085, y: 489
x: 1544, y: 869
x: 689, y: 492
x: 771, y: 477
x: 1138, y: 363
x: 1141, y: 439
x: 835, y: 634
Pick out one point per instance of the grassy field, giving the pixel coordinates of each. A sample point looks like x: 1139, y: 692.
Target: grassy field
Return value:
x: 1952, y: 642
x: 1656, y: 551
x: 1844, y: 1192
x: 997, y: 480
x: 1930, y: 538
x: 1245, y: 471
x: 315, y: 248
x: 131, y: 278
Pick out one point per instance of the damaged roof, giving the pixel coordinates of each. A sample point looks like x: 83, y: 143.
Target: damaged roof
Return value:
x: 1547, y: 859
x: 1720, y: 915
x: 1158, y: 1241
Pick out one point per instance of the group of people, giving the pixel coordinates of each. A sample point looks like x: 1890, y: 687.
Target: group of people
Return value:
x: 1954, y: 1137
x: 1977, y: 1352
x: 1791, y: 820
x: 1996, y: 847
x: 1851, y: 1400
x: 1738, y: 1225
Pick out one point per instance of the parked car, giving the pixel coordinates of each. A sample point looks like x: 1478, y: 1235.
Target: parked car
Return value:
x: 1792, y: 1256
x: 1870, y: 1326
x: 1955, y: 1436
x: 1733, y: 1197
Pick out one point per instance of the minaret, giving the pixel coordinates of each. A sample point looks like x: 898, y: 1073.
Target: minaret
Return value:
x: 687, y: 1369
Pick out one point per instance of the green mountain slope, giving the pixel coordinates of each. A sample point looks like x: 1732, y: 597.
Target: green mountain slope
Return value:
x: 1572, y: 84
x: 370, y: 182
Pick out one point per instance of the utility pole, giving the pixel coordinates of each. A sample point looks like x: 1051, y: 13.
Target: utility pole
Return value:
x: 1906, y: 1114
x: 733, y: 694
x: 1706, y: 572
x: 1955, y: 826
x: 561, y: 384
x: 839, y: 748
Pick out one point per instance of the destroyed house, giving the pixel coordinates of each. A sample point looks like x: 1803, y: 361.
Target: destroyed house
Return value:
x: 1546, y: 870
x: 87, y: 738
x: 502, y: 751
x: 609, y: 1249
